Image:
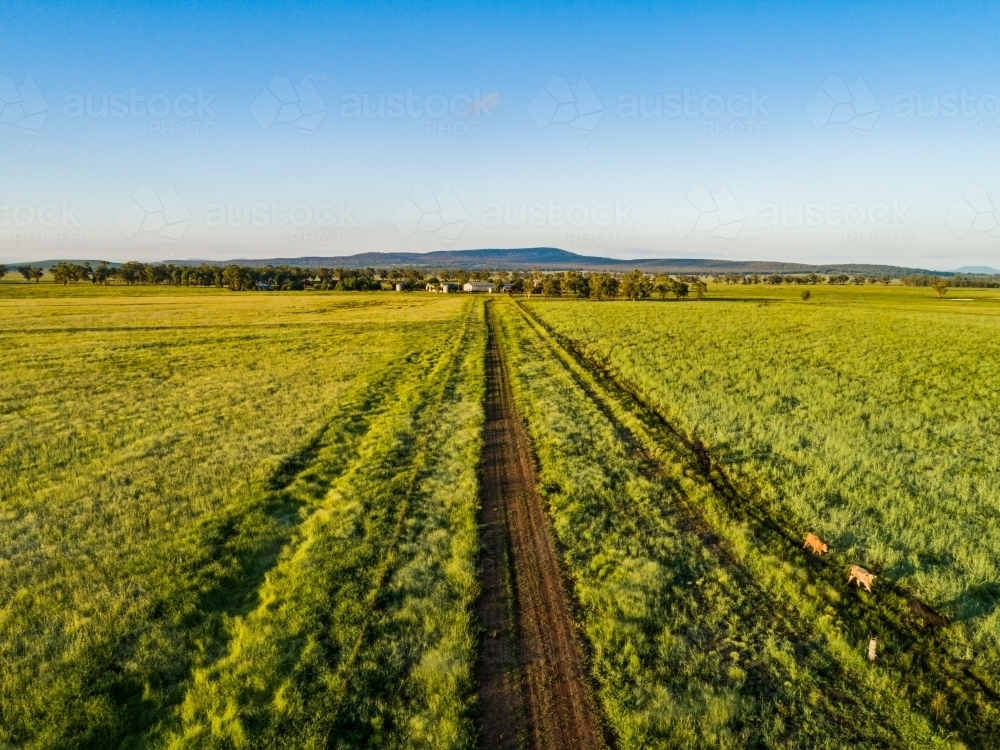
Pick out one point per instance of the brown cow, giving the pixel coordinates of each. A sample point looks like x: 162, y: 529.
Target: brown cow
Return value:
x: 929, y: 616
x: 862, y: 576
x: 815, y: 544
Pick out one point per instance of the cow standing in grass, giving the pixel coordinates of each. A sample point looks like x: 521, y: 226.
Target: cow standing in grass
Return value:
x: 814, y: 544
x: 862, y: 576
x: 928, y: 615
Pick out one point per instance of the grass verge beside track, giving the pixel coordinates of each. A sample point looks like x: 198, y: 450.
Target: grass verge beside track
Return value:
x: 694, y: 636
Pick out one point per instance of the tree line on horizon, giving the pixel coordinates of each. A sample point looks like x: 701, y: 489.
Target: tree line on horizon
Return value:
x: 241, y: 278
x: 634, y: 284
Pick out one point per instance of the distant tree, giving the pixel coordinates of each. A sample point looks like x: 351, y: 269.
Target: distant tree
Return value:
x: 805, y: 294
x: 612, y: 286
x: 774, y: 279
x: 135, y: 273
x: 3, y: 270
x: 575, y: 284
x: 680, y: 289
x: 102, y: 273
x: 604, y: 286
x: 237, y: 278
x: 661, y: 285
x: 635, y: 285
x: 64, y: 273
x: 31, y: 273
x: 533, y: 283
x: 551, y: 285
x: 598, y: 285
x: 941, y: 287
x: 699, y: 288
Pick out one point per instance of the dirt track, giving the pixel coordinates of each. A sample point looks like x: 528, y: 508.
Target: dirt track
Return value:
x: 532, y: 683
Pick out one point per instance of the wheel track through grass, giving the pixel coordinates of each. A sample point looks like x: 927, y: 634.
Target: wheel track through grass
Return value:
x: 278, y: 507
x: 904, y: 648
x: 558, y: 709
x: 282, y: 501
x: 295, y: 493
x: 445, y: 371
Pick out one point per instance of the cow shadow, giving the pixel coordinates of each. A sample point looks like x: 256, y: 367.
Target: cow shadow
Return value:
x: 977, y: 600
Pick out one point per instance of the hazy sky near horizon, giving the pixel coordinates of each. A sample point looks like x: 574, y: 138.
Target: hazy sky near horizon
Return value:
x: 785, y: 131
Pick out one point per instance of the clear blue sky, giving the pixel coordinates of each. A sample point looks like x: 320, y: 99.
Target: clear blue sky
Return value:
x: 875, y: 135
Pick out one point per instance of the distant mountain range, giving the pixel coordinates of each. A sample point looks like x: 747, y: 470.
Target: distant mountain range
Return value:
x: 47, y: 264
x: 554, y: 259
x: 986, y: 270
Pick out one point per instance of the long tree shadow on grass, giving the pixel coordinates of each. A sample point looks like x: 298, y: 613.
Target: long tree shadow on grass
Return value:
x: 214, y: 573
x: 378, y: 677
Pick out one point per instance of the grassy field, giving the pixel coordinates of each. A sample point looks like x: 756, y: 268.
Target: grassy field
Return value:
x: 698, y: 638
x: 250, y: 520
x: 866, y: 415
x: 185, y: 473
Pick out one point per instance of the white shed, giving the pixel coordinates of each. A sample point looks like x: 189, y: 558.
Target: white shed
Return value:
x: 479, y: 286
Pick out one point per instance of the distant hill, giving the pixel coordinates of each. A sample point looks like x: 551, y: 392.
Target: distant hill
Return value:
x: 984, y: 270
x: 551, y: 259
x: 47, y: 264
x: 555, y: 259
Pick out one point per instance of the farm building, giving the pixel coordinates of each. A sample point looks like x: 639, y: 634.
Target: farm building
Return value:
x: 401, y: 286
x: 447, y: 287
x: 479, y: 286
x: 260, y: 286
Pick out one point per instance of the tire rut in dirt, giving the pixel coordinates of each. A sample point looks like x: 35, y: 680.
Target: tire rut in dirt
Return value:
x: 557, y: 704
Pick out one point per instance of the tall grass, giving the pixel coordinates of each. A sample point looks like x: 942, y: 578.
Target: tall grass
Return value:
x: 156, y: 456
x: 870, y: 418
x: 693, y: 644
x: 363, y: 634
x: 411, y: 684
